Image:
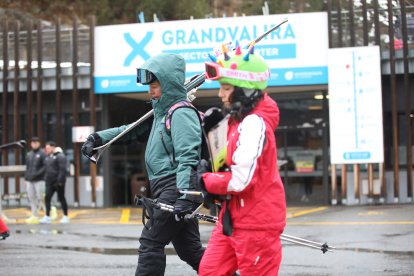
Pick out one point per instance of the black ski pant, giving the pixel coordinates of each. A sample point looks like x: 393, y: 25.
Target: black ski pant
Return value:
x: 160, y: 230
x: 51, y: 188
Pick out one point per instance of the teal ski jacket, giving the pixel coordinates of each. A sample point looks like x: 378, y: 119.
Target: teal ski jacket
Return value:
x: 172, y: 153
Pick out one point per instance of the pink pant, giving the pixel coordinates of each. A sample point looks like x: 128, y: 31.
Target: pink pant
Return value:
x: 3, y: 227
x: 249, y: 252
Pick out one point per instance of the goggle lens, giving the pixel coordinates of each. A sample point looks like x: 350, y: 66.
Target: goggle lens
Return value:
x: 145, y: 76
x: 211, y: 71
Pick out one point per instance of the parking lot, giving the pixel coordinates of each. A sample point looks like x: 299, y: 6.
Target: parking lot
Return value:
x: 369, y: 240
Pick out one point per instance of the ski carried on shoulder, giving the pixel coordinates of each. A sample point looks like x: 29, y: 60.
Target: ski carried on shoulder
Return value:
x: 191, y: 86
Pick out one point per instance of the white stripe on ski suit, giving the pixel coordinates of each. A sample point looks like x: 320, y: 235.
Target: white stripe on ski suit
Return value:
x: 249, y: 148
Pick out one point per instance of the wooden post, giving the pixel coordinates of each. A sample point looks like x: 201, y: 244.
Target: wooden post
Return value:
x: 370, y: 181
x: 357, y: 185
x: 92, y: 102
x: 334, y: 185
x: 16, y: 103
x: 343, y: 184
x: 75, y: 110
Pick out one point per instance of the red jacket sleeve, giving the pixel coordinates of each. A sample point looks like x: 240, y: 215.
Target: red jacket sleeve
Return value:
x: 216, y: 183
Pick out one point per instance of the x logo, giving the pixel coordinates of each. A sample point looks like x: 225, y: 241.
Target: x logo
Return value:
x: 137, y: 48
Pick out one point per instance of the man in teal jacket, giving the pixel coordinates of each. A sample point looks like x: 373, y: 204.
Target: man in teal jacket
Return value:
x: 171, y: 162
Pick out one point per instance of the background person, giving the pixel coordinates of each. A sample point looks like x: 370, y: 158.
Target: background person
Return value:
x: 55, y: 177
x: 171, y: 160
x: 34, y: 176
x: 253, y: 216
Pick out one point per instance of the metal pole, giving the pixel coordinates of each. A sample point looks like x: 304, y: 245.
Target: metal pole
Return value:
x: 213, y: 219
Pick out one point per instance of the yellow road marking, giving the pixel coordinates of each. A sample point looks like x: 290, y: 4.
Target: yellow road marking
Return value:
x: 74, y: 214
x: 352, y: 223
x: 125, y: 215
x: 371, y: 213
x: 305, y: 212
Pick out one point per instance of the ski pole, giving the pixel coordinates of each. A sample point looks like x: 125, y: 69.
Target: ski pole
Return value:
x: 324, y: 247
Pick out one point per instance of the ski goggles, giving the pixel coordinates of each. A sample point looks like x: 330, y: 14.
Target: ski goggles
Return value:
x: 215, y: 71
x: 145, y: 76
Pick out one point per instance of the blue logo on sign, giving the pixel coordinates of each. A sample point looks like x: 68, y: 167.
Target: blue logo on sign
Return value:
x: 137, y: 47
x: 355, y: 155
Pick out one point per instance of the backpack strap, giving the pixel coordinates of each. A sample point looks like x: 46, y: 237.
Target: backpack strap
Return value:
x: 174, y: 107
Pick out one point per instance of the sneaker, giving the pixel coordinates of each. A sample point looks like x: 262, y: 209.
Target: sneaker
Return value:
x: 53, y: 213
x: 4, y: 235
x: 64, y: 220
x: 46, y: 219
x: 32, y: 220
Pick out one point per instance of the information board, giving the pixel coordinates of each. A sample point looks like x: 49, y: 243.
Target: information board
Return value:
x: 355, y: 105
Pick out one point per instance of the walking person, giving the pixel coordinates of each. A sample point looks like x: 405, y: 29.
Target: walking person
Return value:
x: 253, y: 214
x: 171, y: 160
x: 34, y: 176
x: 55, y: 177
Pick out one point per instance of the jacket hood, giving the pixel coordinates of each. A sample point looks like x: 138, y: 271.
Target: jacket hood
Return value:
x: 170, y: 72
x: 268, y: 110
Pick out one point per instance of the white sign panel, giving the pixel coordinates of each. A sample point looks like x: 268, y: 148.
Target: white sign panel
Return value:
x: 296, y: 52
x: 355, y: 105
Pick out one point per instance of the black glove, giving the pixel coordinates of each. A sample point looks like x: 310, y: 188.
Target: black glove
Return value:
x: 203, y: 167
x: 211, y: 118
x: 91, y: 142
x: 183, y: 207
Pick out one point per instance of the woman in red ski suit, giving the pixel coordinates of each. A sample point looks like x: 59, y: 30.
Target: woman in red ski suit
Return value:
x: 253, y: 187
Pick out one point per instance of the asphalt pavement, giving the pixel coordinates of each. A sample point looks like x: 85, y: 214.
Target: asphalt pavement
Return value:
x: 369, y: 240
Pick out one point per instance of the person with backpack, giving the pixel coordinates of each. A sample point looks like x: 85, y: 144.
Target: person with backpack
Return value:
x: 253, y: 212
x: 171, y: 159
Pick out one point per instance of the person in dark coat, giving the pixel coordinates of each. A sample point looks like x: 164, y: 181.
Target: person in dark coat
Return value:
x: 35, y: 179
x: 55, y: 177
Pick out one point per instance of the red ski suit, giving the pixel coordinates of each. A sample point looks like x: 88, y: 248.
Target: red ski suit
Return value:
x: 3, y: 227
x: 257, y: 205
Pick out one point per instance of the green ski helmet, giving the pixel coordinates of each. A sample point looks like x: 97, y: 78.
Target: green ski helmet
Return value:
x: 242, y: 68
